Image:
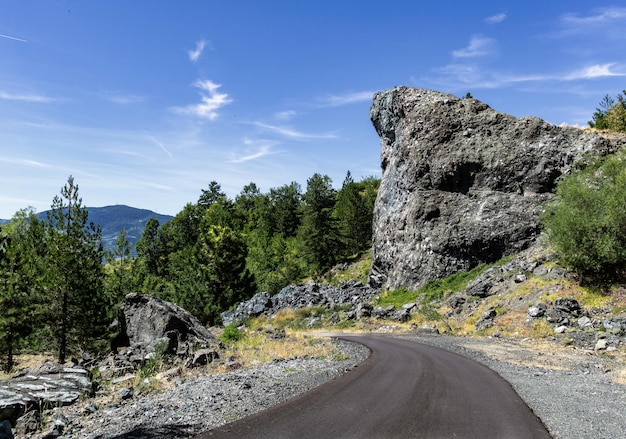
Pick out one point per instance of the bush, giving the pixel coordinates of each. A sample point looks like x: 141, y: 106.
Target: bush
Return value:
x: 231, y: 334
x: 586, y: 223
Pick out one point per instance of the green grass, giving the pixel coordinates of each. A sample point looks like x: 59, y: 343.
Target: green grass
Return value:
x: 436, y: 289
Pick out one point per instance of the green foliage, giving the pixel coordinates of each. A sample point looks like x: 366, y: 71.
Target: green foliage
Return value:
x: 397, y: 297
x: 231, y: 334
x: 611, y: 115
x: 21, y: 250
x: 586, y: 224
x: 436, y: 288
x: 77, y: 305
x: 318, y: 233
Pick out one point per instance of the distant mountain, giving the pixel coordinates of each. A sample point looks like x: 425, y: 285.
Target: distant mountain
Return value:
x: 113, y: 219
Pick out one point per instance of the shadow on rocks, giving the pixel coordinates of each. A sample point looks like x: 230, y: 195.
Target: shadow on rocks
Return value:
x: 162, y: 431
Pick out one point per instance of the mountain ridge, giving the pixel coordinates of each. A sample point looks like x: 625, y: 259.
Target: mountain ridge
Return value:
x: 112, y: 219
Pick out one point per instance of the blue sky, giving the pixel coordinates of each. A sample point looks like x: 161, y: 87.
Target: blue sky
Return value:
x: 146, y: 102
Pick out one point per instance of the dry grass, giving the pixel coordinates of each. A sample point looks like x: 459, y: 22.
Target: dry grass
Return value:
x: 26, y: 361
x: 259, y: 348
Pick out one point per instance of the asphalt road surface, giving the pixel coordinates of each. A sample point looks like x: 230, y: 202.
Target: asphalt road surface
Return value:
x: 404, y: 390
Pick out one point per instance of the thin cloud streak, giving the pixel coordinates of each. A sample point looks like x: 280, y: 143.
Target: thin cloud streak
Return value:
x: 464, y: 75
x: 262, y: 151
x: 9, y: 37
x: 25, y: 162
x: 603, y: 17
x: 25, y: 98
x: 292, y: 133
x: 348, y: 98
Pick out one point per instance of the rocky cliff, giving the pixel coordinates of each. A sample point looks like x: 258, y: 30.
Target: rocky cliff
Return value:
x: 462, y: 184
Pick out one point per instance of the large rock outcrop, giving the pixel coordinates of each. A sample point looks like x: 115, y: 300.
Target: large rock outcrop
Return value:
x: 147, y: 323
x: 462, y: 184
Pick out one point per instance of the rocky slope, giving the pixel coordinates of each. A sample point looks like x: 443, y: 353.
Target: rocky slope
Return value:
x: 462, y: 184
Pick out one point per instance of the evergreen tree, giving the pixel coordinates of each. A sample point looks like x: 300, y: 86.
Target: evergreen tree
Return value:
x: 354, y: 217
x: 318, y: 231
x: 119, y: 279
x: 20, y: 254
x: 77, y: 313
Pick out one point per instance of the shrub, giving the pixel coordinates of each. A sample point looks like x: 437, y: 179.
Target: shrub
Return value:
x: 231, y: 334
x: 586, y: 223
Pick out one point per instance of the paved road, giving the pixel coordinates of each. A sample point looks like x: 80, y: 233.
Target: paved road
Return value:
x: 404, y: 390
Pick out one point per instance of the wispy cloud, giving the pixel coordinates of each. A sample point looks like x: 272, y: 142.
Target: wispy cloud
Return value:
x: 285, y: 115
x: 26, y: 97
x: 9, y: 37
x: 161, y: 146
x: 194, y: 55
x: 478, y: 46
x: 25, y: 162
x: 211, y: 101
x: 125, y: 99
x: 347, y: 98
x: 256, y: 149
x: 494, y: 19
x: 464, y: 75
x: 592, y: 72
x: 291, y: 132
x: 601, y: 17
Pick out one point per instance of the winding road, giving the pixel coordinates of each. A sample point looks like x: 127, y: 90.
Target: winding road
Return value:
x: 403, y: 390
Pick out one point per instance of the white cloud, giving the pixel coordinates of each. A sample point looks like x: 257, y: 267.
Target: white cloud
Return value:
x: 348, y: 98
x: 211, y: 101
x: 592, y: 72
x: 125, y: 99
x: 25, y: 98
x: 256, y: 150
x: 291, y: 132
x: 9, y: 37
x: 195, y: 54
x: 464, y: 75
x: 478, y: 46
x: 602, y: 17
x: 285, y: 115
x: 498, y: 18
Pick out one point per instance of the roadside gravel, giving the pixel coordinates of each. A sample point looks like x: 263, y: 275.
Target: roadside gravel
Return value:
x: 572, y: 391
x: 194, y: 405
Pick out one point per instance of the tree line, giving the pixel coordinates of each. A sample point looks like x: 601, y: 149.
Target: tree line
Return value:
x: 59, y: 289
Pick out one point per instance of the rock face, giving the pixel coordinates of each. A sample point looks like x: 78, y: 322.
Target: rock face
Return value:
x: 461, y: 184
x: 147, y: 322
x: 49, y: 385
x: 294, y: 297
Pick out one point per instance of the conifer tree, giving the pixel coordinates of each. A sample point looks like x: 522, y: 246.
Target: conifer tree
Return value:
x: 77, y: 312
x: 20, y: 255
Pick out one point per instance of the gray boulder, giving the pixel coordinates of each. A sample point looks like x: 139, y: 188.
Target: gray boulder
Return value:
x: 462, y: 184
x: 49, y: 385
x: 147, y: 323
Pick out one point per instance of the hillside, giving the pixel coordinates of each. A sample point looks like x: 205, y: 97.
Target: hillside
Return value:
x: 113, y: 219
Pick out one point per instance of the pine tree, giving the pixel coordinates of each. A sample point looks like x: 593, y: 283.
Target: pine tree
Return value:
x: 318, y: 231
x: 20, y: 254
x: 77, y: 312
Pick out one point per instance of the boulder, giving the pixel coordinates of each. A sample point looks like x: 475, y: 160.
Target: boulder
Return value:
x: 461, y: 184
x: 147, y: 323
x: 49, y: 385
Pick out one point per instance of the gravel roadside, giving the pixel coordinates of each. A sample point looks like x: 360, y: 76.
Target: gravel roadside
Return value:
x: 572, y: 392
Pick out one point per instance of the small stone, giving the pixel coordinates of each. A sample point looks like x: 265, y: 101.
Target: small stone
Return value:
x: 538, y: 310
x: 584, y: 322
x: 125, y: 393
x: 560, y: 329
x: 601, y: 344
